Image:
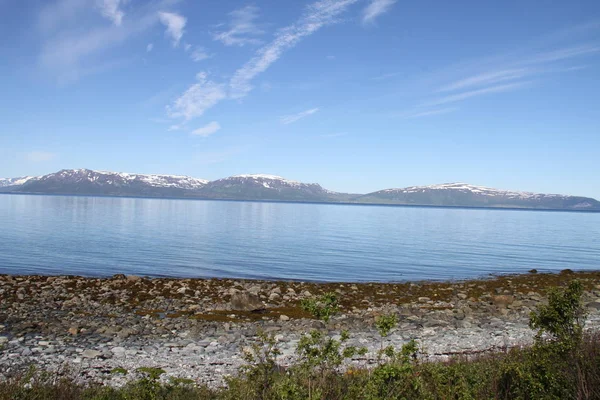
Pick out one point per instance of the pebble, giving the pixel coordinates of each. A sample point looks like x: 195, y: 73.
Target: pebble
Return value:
x: 89, y: 353
x: 54, y: 328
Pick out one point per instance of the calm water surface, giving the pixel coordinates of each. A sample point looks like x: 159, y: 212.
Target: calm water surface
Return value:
x: 101, y: 236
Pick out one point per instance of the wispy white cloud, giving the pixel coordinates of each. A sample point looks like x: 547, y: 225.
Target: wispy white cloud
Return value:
x: 426, y: 113
x: 69, y: 52
x: 187, y: 47
x: 317, y: 15
x: 200, y: 54
x: 149, y: 47
x: 478, y: 92
x: 499, y: 74
x: 176, y: 127
x: 571, y: 69
x: 288, y: 119
x: 175, y: 25
x: 562, y: 54
x: 55, y: 14
x: 39, y: 156
x: 487, y: 78
x: 208, y: 129
x: 202, y: 95
x: 243, y: 29
x: 197, y: 98
x: 385, y: 76
x: 111, y: 9
x: 375, y: 9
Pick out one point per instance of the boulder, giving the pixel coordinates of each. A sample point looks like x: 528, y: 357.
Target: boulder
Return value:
x: 503, y: 300
x: 595, y: 305
x: 246, y: 301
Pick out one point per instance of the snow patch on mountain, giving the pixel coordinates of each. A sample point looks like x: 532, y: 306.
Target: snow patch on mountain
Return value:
x: 113, y: 178
x: 266, y: 180
x: 465, y: 187
x: 5, y: 182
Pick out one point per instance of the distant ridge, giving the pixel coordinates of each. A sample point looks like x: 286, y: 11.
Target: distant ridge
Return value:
x: 272, y: 187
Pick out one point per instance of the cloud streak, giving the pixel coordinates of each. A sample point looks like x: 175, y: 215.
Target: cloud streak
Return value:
x: 289, y: 119
x: 39, y: 156
x: 487, y: 78
x: 498, y: 74
x: 111, y: 9
x: 478, y: 92
x: 563, y: 54
x: 197, y: 99
x: 175, y: 25
x: 208, y: 129
x: 205, y: 94
x: 317, y: 15
x: 427, y: 113
x: 375, y: 9
x: 243, y: 29
x: 69, y: 53
x: 200, y: 54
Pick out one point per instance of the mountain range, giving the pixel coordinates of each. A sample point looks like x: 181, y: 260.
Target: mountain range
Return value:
x: 271, y: 187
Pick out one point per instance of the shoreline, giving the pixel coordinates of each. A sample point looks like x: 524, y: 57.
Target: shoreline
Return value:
x: 441, y: 281
x: 189, y: 327
x: 344, y: 203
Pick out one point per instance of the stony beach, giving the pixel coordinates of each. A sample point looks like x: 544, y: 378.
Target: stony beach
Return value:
x: 199, y: 328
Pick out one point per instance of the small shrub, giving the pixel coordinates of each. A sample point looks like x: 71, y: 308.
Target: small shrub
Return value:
x: 176, y: 381
x: 562, y: 318
x: 322, y: 307
x: 551, y: 367
x: 385, y: 323
x: 262, y: 364
x: 151, y: 372
x: 119, y: 370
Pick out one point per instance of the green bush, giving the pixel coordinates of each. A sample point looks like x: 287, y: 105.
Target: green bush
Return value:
x: 549, y: 369
x: 322, y: 307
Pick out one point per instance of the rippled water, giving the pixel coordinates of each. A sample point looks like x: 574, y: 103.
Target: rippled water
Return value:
x: 99, y: 236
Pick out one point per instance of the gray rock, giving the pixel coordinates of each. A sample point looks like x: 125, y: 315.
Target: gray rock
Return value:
x: 89, y: 353
x: 276, y: 290
x: 118, y: 351
x: 274, y: 296
x: 246, y: 301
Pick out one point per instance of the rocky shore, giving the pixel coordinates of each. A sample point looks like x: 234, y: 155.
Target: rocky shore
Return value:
x: 197, y: 329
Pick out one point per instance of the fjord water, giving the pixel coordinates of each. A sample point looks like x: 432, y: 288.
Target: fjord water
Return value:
x: 102, y: 236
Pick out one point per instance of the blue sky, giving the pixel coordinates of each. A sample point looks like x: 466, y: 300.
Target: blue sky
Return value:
x: 357, y: 95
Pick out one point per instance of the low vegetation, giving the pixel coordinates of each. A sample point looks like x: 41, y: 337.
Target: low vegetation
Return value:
x: 563, y: 363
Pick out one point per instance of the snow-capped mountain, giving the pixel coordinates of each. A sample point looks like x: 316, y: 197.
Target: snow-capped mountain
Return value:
x: 85, y: 181
x: 264, y: 187
x: 272, y: 187
x: 4, y: 182
x: 463, y: 194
